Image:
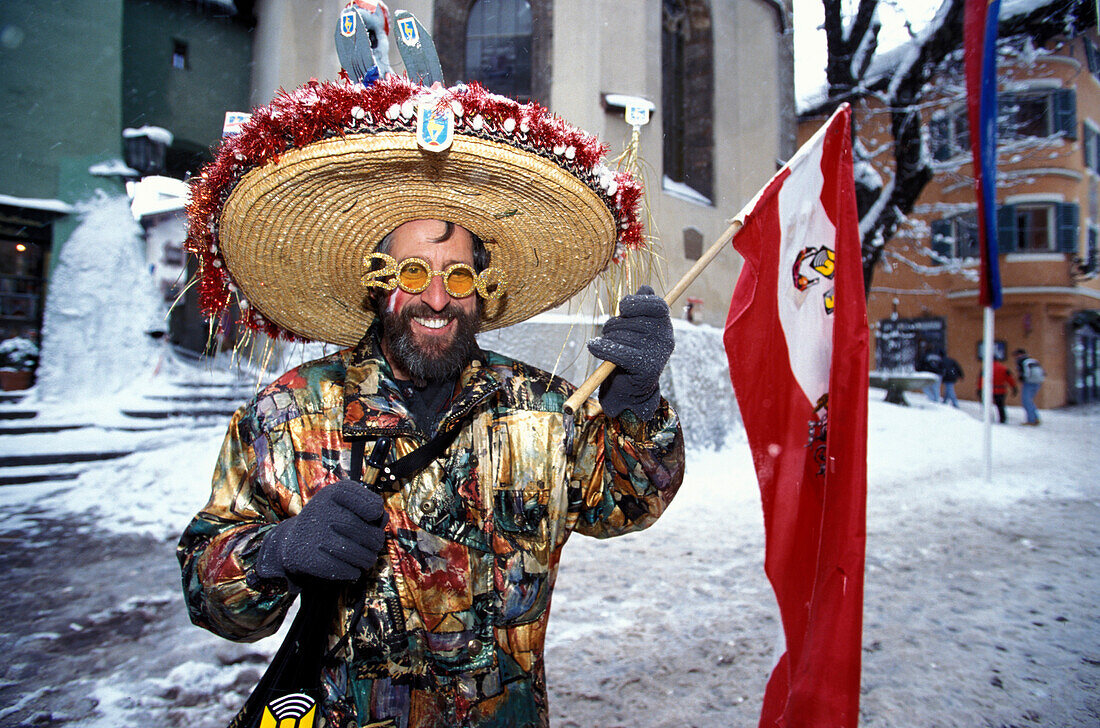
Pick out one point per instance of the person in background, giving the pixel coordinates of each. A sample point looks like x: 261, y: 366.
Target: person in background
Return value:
x: 952, y: 373
x: 1031, y: 378
x: 932, y: 362
x: 1002, y: 380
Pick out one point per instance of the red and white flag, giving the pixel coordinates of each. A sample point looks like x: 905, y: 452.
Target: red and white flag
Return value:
x: 797, y: 338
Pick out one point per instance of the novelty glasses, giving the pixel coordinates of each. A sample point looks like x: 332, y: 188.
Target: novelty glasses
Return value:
x: 414, y: 275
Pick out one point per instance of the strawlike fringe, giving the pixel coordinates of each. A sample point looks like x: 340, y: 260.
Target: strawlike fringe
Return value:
x: 642, y: 264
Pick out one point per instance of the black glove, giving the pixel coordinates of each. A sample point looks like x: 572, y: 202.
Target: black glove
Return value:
x: 639, y: 342
x: 336, y: 536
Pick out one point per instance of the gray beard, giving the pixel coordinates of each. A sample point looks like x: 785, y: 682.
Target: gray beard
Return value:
x: 434, y: 363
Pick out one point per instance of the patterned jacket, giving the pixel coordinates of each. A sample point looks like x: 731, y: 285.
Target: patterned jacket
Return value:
x: 453, y: 621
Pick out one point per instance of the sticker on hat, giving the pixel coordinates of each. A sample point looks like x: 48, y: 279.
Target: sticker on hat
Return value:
x: 407, y: 31
x: 435, y: 126
x: 347, y: 22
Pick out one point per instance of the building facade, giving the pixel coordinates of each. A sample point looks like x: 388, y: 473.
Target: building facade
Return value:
x: 925, y: 294
x: 76, y: 76
x: 719, y: 76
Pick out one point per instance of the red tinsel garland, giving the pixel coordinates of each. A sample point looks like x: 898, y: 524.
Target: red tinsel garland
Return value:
x: 317, y: 110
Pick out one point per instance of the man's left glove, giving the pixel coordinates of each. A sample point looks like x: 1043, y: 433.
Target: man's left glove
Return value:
x: 638, y: 342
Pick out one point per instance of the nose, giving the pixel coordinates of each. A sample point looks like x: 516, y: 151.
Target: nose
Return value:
x: 435, y: 295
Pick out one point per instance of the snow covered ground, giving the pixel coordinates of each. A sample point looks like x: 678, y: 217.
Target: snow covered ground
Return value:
x: 981, y: 598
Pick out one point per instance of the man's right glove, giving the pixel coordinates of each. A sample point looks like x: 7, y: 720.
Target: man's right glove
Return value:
x: 639, y: 342
x: 336, y: 536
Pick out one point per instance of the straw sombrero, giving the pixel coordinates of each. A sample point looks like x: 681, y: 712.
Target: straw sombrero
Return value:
x: 283, y: 217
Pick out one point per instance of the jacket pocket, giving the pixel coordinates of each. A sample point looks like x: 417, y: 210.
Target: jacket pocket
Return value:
x: 521, y: 552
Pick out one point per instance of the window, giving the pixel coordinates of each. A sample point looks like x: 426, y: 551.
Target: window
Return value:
x: 956, y: 237
x: 1021, y: 115
x: 179, y: 55
x: 1034, y: 228
x: 1037, y: 227
x: 498, y: 47
x: 1092, y: 56
x: 1037, y: 114
x: 687, y: 94
x: 1091, y: 147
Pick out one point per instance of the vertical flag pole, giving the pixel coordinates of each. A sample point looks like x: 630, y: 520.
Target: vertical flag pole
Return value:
x: 980, y: 60
x: 987, y: 392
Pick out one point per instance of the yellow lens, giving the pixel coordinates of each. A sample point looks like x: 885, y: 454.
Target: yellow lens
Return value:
x: 460, y: 281
x: 414, y: 276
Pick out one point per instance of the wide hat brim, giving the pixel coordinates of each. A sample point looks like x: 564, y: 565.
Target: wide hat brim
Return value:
x: 284, y: 217
x: 295, y: 232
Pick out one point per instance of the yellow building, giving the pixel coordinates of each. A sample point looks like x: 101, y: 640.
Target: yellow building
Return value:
x: 925, y: 292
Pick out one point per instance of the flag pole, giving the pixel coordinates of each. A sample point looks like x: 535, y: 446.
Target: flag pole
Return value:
x: 987, y: 392
x: 603, y: 371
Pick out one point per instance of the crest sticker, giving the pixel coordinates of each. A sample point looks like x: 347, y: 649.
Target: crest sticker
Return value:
x: 233, y: 122
x: 347, y: 22
x: 434, y: 127
x: 406, y: 30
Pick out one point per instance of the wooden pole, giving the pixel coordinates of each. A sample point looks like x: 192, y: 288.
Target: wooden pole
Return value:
x: 604, y: 370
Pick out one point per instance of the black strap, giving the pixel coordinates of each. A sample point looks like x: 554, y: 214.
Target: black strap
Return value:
x: 358, y: 447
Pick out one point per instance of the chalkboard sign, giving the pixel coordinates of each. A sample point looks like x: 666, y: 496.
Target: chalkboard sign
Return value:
x: 900, y: 342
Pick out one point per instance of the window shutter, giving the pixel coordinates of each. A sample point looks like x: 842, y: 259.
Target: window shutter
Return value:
x: 1065, y: 112
x: 1006, y: 229
x: 941, y: 241
x: 1088, y: 148
x: 941, y: 144
x: 1067, y: 227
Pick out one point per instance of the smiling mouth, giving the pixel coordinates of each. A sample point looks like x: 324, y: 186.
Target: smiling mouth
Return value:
x: 432, y: 323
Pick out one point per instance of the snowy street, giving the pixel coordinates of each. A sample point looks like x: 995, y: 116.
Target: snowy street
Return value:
x: 981, y: 605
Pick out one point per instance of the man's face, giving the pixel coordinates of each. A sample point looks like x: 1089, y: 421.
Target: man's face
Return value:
x: 429, y: 335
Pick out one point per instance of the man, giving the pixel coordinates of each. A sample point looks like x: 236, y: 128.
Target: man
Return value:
x: 952, y: 373
x: 1002, y: 380
x: 443, y: 577
x: 931, y: 362
x: 1031, y: 378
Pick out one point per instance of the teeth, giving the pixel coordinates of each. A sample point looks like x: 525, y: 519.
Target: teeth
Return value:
x: 432, y: 323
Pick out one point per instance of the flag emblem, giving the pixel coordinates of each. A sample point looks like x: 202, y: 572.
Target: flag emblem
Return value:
x: 296, y: 710
x: 347, y: 22
x: 407, y: 31
x: 434, y: 127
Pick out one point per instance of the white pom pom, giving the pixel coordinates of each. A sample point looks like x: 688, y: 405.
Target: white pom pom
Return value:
x: 217, y: 263
x: 477, y: 122
x: 457, y: 108
x: 357, y: 112
x: 393, y: 112
x: 612, y: 188
x: 407, y: 109
x: 509, y: 125
x: 524, y: 126
x: 570, y: 153
x: 559, y: 149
